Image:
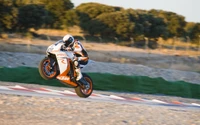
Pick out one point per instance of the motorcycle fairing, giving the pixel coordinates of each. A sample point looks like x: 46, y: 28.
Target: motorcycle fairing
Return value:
x: 64, y: 76
x: 61, y: 56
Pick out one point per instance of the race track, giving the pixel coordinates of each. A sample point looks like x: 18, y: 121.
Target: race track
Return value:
x: 45, y: 92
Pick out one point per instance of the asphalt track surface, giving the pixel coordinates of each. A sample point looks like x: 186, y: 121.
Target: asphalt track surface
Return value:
x: 45, y: 92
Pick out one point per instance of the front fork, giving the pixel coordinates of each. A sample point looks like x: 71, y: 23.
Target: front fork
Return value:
x: 52, y: 63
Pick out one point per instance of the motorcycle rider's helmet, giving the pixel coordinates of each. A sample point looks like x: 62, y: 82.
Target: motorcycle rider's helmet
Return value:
x: 68, y: 39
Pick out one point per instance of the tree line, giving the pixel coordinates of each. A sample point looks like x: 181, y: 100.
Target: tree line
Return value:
x: 94, y: 19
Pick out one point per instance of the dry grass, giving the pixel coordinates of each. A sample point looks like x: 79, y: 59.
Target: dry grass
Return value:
x: 75, y: 30
x: 184, y: 51
x: 177, y: 42
x: 177, y: 47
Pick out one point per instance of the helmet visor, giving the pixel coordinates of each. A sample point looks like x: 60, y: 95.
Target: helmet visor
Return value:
x: 70, y: 40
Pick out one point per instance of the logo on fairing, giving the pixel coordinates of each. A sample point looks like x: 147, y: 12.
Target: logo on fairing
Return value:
x: 63, y: 78
x: 63, y: 61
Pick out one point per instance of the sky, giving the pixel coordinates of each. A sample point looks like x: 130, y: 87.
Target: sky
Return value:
x: 190, y: 9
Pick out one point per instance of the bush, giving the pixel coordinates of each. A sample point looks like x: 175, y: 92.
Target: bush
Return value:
x: 4, y: 35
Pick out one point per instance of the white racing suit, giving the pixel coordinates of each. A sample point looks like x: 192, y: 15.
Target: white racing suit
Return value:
x: 82, y: 58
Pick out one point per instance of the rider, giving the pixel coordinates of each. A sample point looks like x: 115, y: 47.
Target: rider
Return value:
x: 81, y: 56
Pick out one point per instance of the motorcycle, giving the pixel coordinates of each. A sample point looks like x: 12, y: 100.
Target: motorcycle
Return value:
x: 58, y: 64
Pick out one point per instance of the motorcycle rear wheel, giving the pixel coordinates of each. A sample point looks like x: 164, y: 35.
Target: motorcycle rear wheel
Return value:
x: 82, y: 92
x: 46, y: 71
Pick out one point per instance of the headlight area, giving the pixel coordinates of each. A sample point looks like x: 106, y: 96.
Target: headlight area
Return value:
x: 49, y: 49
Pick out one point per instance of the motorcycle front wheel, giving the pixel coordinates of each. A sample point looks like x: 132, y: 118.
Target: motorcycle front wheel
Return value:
x: 83, y: 92
x: 46, y: 70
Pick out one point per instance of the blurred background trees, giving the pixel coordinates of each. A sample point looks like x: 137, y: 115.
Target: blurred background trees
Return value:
x: 8, y: 15
x: 30, y: 16
x: 94, y: 19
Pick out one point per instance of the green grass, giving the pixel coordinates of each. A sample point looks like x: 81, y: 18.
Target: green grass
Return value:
x: 109, y: 82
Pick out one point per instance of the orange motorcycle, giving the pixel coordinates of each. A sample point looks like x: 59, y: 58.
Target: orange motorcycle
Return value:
x: 58, y: 64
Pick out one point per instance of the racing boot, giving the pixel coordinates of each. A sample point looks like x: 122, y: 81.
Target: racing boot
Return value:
x: 81, y: 79
x: 84, y: 82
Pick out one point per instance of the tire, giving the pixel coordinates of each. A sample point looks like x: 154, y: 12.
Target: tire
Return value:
x: 45, y: 71
x: 83, y: 92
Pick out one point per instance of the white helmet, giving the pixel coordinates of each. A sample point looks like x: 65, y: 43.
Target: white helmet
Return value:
x: 68, y: 39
